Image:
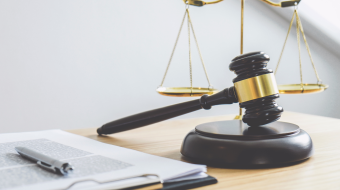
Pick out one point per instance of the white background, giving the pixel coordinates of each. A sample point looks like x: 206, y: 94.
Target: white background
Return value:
x: 81, y: 63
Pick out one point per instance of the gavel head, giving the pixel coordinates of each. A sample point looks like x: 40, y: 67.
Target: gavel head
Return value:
x: 256, y: 88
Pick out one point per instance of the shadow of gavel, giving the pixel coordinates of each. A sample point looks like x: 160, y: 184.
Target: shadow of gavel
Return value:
x: 254, y: 88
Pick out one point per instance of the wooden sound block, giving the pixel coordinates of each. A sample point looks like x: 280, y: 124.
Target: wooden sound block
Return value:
x: 235, y: 144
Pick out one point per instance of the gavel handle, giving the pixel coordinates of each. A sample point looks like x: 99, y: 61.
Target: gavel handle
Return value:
x: 227, y: 96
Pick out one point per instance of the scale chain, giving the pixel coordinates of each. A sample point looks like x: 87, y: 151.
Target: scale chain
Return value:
x: 190, y: 64
x: 173, y: 50
x: 284, y: 45
x: 298, y: 29
x: 190, y: 25
x: 298, y: 40
x: 307, y: 47
x: 199, y: 51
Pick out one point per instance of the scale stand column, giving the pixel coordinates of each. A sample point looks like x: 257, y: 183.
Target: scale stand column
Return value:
x: 239, y: 116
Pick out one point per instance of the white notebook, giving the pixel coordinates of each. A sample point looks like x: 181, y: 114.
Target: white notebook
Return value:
x: 92, y: 160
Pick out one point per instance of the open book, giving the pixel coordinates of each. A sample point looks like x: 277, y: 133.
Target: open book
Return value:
x: 92, y: 160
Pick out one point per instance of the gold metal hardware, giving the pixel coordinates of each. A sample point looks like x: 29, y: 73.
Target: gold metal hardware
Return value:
x: 185, y: 91
x: 280, y: 4
x: 256, y: 92
x: 256, y: 87
x: 297, y: 89
x: 239, y: 116
x: 302, y: 87
x: 272, y: 3
x: 200, y: 3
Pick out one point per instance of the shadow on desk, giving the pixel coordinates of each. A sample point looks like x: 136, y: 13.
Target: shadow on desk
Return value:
x: 218, y: 165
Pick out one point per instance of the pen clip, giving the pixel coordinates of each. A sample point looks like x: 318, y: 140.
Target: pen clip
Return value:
x: 46, y: 166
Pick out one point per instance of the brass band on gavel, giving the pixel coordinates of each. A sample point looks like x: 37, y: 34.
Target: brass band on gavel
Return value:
x: 256, y: 87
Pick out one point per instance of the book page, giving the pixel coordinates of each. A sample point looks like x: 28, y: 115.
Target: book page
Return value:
x: 17, y: 171
x: 91, y: 160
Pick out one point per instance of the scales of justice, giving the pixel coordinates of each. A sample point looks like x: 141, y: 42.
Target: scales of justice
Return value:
x: 255, y: 139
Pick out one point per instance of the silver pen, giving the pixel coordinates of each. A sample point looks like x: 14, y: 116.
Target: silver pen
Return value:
x: 45, y: 161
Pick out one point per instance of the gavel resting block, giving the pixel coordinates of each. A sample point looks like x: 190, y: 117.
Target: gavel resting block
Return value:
x: 321, y: 171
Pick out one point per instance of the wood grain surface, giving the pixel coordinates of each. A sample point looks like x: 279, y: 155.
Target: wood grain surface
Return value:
x: 322, y: 171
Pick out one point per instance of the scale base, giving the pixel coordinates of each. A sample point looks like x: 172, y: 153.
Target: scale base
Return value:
x: 237, y: 145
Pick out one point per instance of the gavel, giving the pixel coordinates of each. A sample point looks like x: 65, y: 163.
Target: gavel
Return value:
x: 254, y: 88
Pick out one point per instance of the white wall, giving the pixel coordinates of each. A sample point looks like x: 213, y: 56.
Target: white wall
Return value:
x: 77, y: 64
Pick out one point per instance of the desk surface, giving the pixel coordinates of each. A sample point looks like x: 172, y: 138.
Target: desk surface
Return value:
x: 322, y: 171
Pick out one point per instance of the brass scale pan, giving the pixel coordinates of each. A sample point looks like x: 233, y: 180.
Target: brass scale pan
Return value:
x: 185, y: 91
x: 297, y: 89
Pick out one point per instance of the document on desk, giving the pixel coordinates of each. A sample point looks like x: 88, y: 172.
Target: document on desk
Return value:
x: 91, y: 159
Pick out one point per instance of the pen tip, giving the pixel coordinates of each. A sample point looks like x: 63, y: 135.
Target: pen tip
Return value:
x: 18, y: 148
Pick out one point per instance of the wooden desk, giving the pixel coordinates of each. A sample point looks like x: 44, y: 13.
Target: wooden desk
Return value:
x: 322, y: 171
